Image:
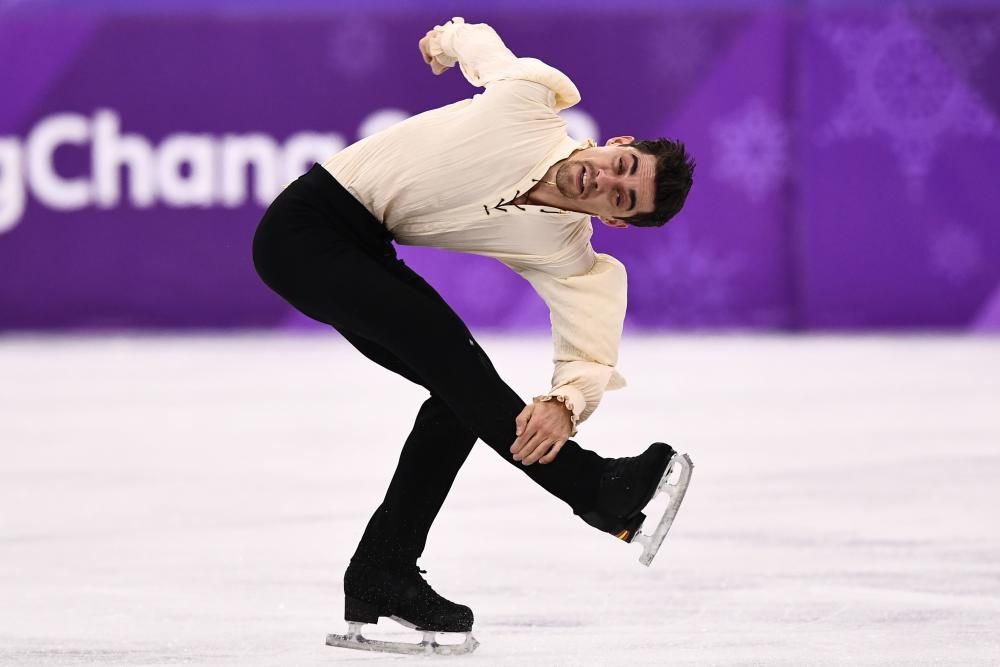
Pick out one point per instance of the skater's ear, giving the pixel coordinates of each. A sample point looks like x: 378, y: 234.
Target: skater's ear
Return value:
x: 618, y: 141
x: 614, y: 222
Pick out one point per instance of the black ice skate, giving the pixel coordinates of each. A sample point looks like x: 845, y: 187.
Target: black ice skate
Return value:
x: 629, y: 484
x: 405, y: 597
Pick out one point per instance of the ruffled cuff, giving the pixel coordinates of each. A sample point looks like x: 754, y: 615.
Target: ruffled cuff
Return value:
x: 442, y: 39
x: 569, y: 396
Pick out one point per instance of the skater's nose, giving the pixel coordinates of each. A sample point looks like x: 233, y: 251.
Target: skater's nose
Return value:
x: 607, y: 179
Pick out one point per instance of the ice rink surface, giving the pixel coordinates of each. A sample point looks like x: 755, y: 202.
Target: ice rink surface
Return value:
x: 195, y: 500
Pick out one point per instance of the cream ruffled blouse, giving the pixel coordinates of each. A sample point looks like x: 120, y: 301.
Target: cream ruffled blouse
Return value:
x: 448, y: 178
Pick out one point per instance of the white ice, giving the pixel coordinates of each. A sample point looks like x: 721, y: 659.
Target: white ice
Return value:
x: 173, y: 500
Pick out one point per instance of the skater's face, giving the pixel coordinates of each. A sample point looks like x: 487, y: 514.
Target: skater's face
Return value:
x: 612, y: 182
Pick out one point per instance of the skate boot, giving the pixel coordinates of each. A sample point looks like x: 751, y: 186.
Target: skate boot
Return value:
x: 405, y: 597
x: 629, y: 484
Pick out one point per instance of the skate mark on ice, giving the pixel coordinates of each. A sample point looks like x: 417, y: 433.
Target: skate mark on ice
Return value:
x: 539, y: 622
x: 93, y: 656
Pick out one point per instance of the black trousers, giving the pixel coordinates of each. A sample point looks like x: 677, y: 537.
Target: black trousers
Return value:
x: 322, y: 251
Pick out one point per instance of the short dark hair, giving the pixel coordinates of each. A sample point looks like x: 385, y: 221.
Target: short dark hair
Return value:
x: 674, y: 172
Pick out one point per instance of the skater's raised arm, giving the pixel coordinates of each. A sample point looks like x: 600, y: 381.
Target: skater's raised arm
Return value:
x: 484, y: 60
x: 587, y: 314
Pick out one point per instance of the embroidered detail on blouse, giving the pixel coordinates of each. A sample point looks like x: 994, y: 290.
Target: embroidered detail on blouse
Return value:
x: 501, y: 204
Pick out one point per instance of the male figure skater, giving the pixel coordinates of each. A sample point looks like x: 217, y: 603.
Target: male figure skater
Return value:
x: 494, y: 175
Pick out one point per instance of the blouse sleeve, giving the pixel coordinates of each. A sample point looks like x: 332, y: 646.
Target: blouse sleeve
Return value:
x: 587, y: 314
x: 484, y: 59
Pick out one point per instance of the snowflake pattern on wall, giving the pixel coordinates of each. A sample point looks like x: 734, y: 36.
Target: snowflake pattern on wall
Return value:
x: 676, y: 50
x: 751, y: 150
x: 907, y: 88
x: 680, y: 283
x: 356, y: 47
x: 963, y: 41
x: 954, y: 253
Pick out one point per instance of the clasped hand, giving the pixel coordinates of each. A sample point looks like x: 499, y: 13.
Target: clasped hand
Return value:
x: 542, y: 429
x: 425, y: 51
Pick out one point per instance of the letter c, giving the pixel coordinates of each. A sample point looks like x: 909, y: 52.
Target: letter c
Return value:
x: 48, y: 186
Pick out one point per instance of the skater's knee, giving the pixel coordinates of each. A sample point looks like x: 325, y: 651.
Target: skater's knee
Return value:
x: 435, y: 411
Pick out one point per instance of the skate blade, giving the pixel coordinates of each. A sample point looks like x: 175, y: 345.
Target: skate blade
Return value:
x: 681, y: 466
x: 428, y: 646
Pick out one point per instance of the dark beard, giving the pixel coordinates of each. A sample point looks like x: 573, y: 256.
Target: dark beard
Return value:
x: 565, y: 181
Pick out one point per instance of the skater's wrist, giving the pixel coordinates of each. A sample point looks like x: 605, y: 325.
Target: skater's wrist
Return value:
x: 563, y: 406
x: 542, y: 428
x: 568, y: 404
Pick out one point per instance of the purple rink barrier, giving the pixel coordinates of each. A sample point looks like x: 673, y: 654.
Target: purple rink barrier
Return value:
x: 847, y: 172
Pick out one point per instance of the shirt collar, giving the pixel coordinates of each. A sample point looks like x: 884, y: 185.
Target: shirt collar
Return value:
x: 562, y: 150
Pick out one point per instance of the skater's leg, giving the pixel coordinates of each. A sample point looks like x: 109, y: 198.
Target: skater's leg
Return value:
x: 328, y: 277
x: 431, y: 457
x: 430, y: 460
x: 388, y: 308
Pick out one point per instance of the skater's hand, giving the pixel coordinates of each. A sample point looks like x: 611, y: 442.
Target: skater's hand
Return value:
x: 425, y: 52
x: 542, y: 429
